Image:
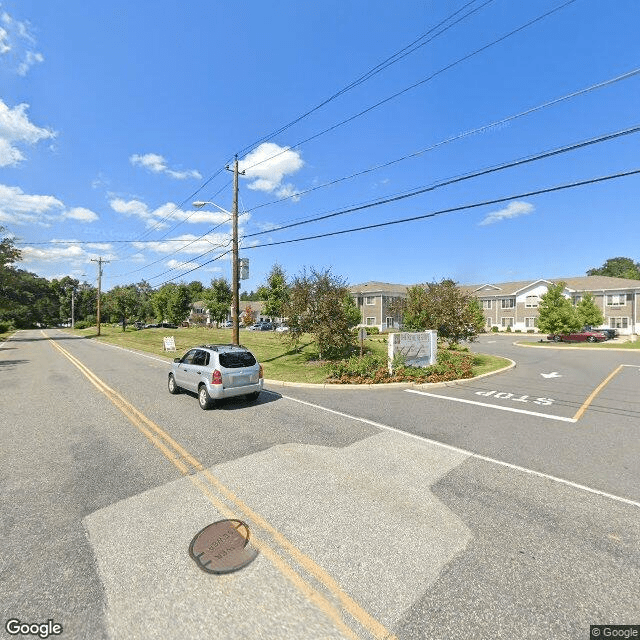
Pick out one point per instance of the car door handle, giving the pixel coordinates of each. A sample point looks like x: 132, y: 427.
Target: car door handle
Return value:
x: 198, y: 372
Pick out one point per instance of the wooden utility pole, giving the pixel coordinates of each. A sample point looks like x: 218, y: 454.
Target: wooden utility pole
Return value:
x: 100, y: 262
x: 235, y: 275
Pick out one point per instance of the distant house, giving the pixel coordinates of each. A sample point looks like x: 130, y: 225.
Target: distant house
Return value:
x: 199, y: 313
x: 515, y: 304
x: 374, y: 299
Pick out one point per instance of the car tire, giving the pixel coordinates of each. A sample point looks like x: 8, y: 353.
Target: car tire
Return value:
x: 592, y: 339
x: 253, y: 396
x: 204, y: 399
x: 557, y: 339
x: 174, y: 389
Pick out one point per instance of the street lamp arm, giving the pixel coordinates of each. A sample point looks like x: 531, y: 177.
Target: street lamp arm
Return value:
x: 198, y: 204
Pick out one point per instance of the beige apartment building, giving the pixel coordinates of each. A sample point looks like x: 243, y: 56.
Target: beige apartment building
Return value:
x: 515, y: 304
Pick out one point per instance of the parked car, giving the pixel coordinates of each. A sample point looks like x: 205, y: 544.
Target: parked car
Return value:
x: 215, y: 372
x: 610, y: 333
x: 266, y: 326
x: 227, y: 324
x: 578, y: 336
x: 283, y: 328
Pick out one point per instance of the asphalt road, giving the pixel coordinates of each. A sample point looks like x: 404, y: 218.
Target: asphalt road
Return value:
x: 507, y: 507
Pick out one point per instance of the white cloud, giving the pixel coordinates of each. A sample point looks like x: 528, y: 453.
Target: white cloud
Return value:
x: 15, y: 128
x: 17, y: 41
x: 188, y: 244
x: 513, y: 210
x: 165, y: 213
x: 157, y: 164
x: 82, y: 214
x: 18, y: 207
x: 178, y: 264
x: 30, y: 59
x: 267, y: 166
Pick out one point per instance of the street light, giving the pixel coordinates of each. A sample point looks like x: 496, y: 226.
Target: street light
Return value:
x: 235, y: 280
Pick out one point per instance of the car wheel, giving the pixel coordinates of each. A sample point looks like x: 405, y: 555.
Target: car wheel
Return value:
x: 204, y: 399
x: 592, y: 339
x: 253, y: 396
x: 173, y: 387
x: 557, y: 339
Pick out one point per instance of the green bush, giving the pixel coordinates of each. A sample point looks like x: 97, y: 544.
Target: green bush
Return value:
x: 494, y: 329
x: 371, y: 331
x: 372, y: 369
x: 5, y: 326
x: 84, y: 324
x: 508, y: 328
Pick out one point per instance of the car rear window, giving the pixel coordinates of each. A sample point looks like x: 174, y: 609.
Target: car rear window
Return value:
x: 237, y: 359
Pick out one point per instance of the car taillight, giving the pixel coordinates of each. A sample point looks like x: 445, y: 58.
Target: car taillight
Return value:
x: 260, y: 375
x: 216, y: 378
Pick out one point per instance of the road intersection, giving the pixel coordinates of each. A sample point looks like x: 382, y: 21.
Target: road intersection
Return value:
x: 377, y: 513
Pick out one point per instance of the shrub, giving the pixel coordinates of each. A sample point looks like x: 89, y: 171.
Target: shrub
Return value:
x: 494, y: 329
x: 5, y: 326
x: 84, y: 324
x: 371, y: 369
x: 508, y: 329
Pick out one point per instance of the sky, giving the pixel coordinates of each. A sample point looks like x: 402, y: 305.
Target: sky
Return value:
x: 115, y: 116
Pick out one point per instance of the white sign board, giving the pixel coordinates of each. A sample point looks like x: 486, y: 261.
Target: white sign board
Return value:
x: 168, y: 344
x: 417, y: 349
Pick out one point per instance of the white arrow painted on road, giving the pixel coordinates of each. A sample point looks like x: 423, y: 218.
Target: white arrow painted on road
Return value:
x: 553, y: 374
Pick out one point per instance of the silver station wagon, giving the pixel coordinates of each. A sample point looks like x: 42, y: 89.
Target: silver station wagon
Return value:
x: 217, y: 371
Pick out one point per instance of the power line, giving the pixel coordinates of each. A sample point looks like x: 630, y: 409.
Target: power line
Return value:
x: 461, y: 178
x: 396, y: 57
x: 402, y: 53
x: 451, y: 139
x: 529, y: 111
x: 415, y: 84
x: 433, y: 214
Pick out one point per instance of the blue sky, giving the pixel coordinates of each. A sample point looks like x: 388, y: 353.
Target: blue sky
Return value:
x: 116, y: 116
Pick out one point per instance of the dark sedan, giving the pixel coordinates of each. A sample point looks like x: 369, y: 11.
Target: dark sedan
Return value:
x: 578, y: 336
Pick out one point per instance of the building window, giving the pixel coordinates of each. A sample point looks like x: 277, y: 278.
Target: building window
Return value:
x: 507, y: 322
x: 371, y: 321
x: 577, y: 299
x: 532, y: 302
x: 389, y: 323
x: 616, y: 299
x: 508, y: 303
x: 370, y: 300
x: 618, y: 323
x: 531, y: 323
x: 486, y: 304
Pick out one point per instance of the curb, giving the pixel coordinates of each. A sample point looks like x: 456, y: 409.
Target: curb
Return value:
x: 553, y: 345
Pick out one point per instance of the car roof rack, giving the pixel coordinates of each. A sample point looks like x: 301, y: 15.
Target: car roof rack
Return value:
x: 216, y: 347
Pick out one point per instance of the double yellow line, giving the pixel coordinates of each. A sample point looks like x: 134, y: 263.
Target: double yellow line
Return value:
x: 339, y: 607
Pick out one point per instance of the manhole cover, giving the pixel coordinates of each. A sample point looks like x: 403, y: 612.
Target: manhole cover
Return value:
x: 222, y: 547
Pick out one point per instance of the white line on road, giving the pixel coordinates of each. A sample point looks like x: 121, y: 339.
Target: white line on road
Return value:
x: 493, y: 406
x: 471, y: 454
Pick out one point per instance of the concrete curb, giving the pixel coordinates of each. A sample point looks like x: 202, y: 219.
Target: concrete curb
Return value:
x: 553, y: 345
x: 324, y: 385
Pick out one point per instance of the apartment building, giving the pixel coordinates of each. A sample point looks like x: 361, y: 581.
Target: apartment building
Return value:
x: 515, y: 304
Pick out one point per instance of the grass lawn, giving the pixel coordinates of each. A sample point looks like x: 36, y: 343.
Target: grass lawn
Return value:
x: 272, y: 349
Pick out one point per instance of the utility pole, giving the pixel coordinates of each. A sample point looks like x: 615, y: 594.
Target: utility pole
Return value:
x: 235, y: 279
x: 100, y: 262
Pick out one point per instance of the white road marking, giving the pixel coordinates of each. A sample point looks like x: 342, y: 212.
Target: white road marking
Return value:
x: 548, y: 416
x: 553, y: 374
x: 471, y: 454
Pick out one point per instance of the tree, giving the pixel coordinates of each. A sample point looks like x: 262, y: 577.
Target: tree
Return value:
x: 275, y: 292
x: 218, y: 299
x: 123, y: 302
x: 195, y: 290
x: 444, y: 307
x: 588, y: 312
x: 618, y: 268
x: 247, y: 316
x: 320, y: 304
x: 171, y: 302
x: 556, y: 315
